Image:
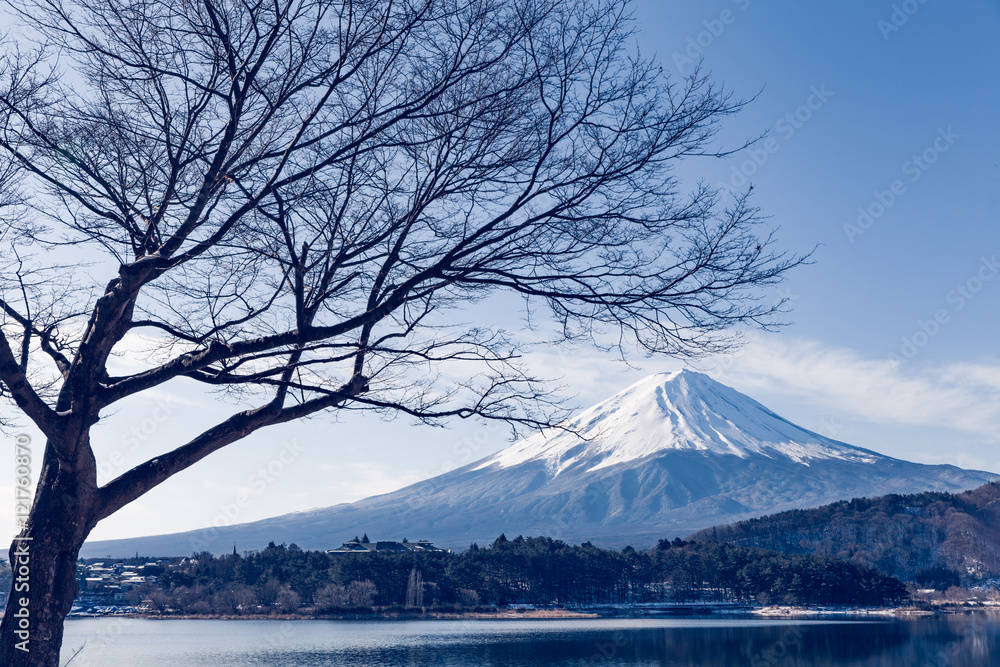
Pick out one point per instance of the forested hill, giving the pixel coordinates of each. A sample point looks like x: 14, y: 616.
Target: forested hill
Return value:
x: 911, y: 537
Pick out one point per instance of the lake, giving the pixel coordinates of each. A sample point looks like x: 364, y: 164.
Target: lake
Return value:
x: 966, y: 640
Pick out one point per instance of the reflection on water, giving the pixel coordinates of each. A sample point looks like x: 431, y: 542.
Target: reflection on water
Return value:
x: 967, y: 640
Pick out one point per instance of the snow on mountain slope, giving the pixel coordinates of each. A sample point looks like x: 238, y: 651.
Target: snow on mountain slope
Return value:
x: 679, y: 411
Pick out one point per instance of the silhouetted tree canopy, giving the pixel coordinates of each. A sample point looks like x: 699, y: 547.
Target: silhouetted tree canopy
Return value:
x: 294, y: 202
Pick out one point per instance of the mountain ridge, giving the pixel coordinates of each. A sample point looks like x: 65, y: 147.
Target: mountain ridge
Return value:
x: 899, y: 535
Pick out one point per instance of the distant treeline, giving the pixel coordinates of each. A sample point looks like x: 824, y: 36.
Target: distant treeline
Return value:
x: 934, y: 539
x: 535, y: 570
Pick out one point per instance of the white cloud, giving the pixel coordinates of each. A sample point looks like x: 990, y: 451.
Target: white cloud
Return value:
x: 962, y: 396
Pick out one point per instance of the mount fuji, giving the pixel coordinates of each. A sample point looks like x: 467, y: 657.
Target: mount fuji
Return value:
x: 672, y: 454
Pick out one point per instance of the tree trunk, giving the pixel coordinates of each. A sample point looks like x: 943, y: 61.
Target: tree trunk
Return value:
x: 43, y: 559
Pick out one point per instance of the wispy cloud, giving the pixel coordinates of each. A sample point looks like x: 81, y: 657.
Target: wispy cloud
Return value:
x: 962, y: 396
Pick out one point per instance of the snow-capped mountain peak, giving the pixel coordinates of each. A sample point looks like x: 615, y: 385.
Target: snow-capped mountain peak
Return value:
x: 672, y: 454
x: 681, y: 410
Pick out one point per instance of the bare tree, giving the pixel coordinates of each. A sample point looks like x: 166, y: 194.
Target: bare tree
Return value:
x: 293, y: 200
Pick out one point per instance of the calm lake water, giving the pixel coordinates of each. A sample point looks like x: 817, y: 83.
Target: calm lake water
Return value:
x: 966, y: 640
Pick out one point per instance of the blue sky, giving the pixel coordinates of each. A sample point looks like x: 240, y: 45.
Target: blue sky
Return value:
x: 894, y: 94
x: 890, y: 108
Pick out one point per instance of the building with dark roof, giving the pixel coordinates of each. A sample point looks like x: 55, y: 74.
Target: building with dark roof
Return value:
x: 356, y: 546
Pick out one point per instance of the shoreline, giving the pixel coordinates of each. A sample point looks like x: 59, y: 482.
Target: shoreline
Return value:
x: 513, y: 614
x: 900, y: 613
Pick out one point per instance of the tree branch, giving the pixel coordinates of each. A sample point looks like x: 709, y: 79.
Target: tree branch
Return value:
x: 140, y: 479
x: 13, y: 378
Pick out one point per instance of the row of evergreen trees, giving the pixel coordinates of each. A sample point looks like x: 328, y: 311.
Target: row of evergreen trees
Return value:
x: 534, y: 570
